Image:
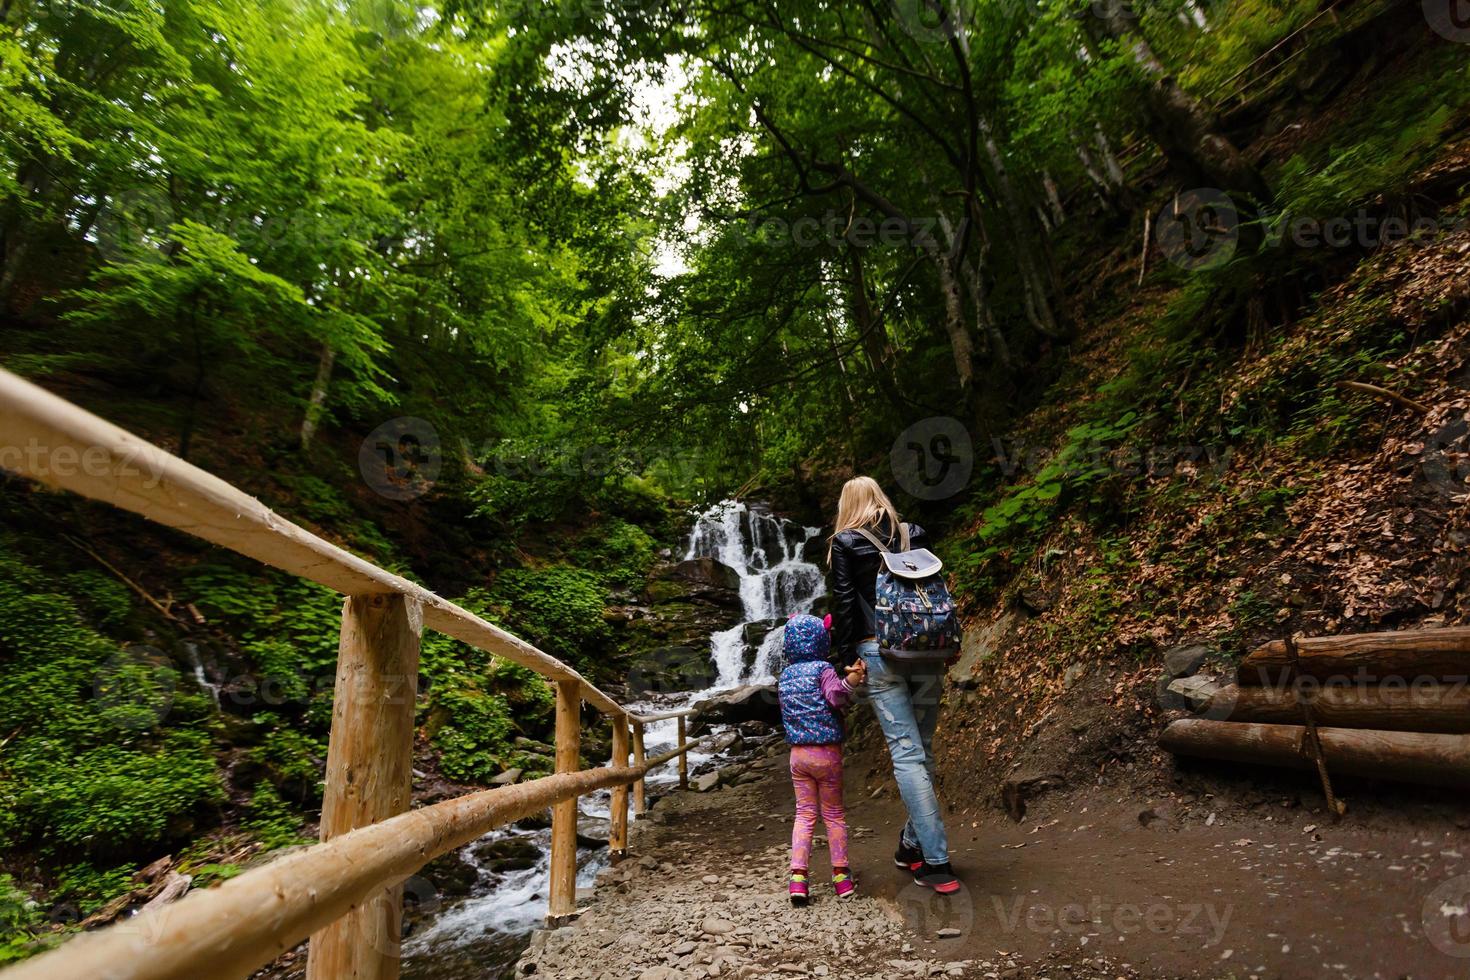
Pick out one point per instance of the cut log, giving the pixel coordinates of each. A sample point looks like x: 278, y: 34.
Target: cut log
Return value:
x: 1365, y: 658
x: 1414, y: 757
x: 1443, y: 708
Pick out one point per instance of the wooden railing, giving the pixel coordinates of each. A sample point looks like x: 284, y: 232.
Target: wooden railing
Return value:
x: 344, y: 893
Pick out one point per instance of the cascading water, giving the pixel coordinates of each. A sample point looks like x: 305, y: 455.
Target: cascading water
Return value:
x: 776, y: 581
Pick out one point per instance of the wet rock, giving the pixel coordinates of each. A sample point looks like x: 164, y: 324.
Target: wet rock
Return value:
x: 536, y: 821
x: 756, y: 632
x: 452, y: 875
x: 704, y: 580
x: 753, y: 702
x: 507, y: 854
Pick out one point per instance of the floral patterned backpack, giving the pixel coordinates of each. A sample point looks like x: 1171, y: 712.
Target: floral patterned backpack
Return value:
x: 913, y: 612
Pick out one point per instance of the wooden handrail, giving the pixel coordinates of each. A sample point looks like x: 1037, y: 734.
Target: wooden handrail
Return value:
x: 247, y: 922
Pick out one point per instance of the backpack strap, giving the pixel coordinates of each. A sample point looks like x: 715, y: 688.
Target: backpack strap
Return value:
x: 903, y: 539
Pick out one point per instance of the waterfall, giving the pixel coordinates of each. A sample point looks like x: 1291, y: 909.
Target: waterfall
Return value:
x: 775, y: 581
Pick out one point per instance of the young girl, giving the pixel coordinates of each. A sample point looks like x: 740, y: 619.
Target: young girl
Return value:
x: 812, y: 700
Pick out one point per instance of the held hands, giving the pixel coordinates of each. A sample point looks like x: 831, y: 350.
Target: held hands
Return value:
x: 857, y: 674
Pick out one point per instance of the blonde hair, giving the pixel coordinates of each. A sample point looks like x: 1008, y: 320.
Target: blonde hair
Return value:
x: 862, y: 504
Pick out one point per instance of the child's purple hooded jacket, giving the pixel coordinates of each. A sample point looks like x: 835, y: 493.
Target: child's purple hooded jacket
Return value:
x: 812, y: 694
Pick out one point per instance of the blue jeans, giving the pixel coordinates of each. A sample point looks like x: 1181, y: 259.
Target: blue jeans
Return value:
x: 905, y: 697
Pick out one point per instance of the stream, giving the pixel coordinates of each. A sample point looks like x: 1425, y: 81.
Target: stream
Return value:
x: 483, y: 934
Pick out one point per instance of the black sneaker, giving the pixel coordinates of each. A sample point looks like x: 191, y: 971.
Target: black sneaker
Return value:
x: 939, y: 877
x: 911, y: 859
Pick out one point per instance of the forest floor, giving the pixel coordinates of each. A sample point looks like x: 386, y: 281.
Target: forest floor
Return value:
x: 1107, y: 887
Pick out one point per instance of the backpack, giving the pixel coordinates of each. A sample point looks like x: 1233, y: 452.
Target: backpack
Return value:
x: 913, y: 613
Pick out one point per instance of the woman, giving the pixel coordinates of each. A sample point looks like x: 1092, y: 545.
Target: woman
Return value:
x: 905, y: 696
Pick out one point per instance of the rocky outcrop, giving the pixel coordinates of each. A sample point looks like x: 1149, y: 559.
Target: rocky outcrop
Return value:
x: 753, y: 702
x: 698, y: 580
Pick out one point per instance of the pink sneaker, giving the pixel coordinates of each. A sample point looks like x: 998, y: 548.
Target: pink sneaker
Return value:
x: 843, y: 884
x: 799, y: 893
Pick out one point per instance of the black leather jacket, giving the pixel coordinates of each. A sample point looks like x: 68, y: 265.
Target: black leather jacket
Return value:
x: 854, y: 577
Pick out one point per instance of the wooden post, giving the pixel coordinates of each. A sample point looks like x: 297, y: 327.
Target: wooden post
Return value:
x: 639, y: 758
x: 563, y: 895
x: 683, y: 754
x: 369, y: 772
x: 617, y: 835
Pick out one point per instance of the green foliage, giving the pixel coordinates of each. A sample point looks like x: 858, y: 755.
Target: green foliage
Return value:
x: 19, y: 917
x: 296, y: 757
x: 90, y: 765
x: 111, y: 799
x: 559, y: 608
x: 1381, y: 147
x: 622, y: 553
x: 1010, y: 528
x: 289, y: 625
x: 270, y: 821
x: 471, y: 729
x: 91, y: 887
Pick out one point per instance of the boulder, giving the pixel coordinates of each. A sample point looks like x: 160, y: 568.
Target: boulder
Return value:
x: 506, y: 778
x: 705, y: 580
x: 1184, y: 661
x: 1169, y: 700
x: 1196, y: 691
x: 755, y: 633
x: 451, y: 874
x: 706, y: 782
x: 752, y: 702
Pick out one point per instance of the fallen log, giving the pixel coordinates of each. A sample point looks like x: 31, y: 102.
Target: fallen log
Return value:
x: 1411, y: 655
x: 1415, y: 757
x: 1442, y: 708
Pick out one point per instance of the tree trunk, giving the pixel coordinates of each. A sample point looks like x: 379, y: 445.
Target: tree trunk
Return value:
x: 1037, y: 281
x: 870, y: 333
x: 1419, y: 708
x: 1184, y: 127
x: 316, y: 405
x: 960, y: 344
x: 1436, y: 760
x: 1405, y: 657
x: 1053, y: 198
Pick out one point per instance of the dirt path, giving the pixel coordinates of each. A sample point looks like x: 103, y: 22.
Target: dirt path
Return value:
x: 1090, y: 892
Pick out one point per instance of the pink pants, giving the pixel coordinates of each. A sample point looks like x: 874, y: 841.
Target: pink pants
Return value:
x: 816, y: 773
